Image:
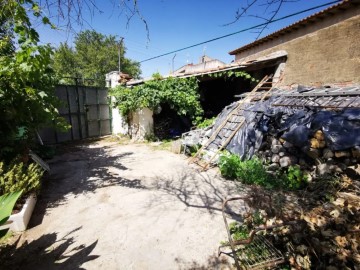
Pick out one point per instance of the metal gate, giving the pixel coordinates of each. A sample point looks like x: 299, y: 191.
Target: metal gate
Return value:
x: 86, y: 109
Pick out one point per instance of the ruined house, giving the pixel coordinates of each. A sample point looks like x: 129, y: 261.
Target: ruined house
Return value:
x: 311, y: 110
x: 323, y: 48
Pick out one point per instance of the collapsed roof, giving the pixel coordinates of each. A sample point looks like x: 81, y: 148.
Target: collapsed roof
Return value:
x: 293, y: 115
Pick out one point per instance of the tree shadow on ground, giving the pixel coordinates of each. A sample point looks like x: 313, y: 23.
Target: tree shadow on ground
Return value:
x: 81, y: 169
x: 194, y: 189
x: 213, y: 262
x: 46, y: 252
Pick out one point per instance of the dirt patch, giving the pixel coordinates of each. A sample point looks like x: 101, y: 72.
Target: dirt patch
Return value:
x: 111, y: 206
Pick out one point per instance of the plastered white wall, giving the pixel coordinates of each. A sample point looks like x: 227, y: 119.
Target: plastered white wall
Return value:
x: 142, y: 123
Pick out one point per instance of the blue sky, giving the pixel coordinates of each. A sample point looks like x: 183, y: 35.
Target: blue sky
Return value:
x: 174, y: 24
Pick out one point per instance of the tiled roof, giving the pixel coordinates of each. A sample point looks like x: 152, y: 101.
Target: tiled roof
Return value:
x: 345, y: 4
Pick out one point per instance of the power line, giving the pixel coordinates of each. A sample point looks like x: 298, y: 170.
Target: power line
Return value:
x: 241, y: 31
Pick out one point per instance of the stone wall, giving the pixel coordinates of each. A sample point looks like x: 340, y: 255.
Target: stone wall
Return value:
x: 325, y: 52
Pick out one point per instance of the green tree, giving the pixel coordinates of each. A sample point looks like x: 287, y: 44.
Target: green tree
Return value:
x: 94, y: 55
x: 27, y: 100
x: 64, y: 62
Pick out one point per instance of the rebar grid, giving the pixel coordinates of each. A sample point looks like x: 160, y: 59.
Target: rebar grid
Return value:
x: 259, y: 254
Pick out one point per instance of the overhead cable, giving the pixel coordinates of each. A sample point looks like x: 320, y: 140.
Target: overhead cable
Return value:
x: 241, y: 31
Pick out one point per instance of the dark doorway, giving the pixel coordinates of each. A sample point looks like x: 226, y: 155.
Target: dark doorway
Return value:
x: 217, y: 93
x: 168, y: 124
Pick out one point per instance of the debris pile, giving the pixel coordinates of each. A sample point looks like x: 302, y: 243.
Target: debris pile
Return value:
x: 289, y: 135
x: 327, y: 230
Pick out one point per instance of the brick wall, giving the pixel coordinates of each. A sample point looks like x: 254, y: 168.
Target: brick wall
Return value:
x: 326, y: 52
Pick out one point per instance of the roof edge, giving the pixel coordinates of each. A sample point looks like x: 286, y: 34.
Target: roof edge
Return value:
x: 345, y: 4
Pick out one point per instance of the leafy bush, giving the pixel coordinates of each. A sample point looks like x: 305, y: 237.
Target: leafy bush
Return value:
x: 229, y: 165
x: 248, y: 172
x: 18, y: 176
x: 254, y: 172
x: 180, y: 93
x: 239, y: 231
x: 294, y: 178
x: 206, y: 123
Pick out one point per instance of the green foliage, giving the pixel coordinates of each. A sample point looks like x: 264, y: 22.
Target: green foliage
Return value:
x: 27, y: 100
x: 257, y: 218
x: 254, y: 172
x: 206, y: 122
x: 229, y: 165
x: 17, y: 176
x: 7, y: 202
x: 229, y: 74
x: 239, y: 231
x: 294, y: 178
x: 248, y: 172
x: 65, y: 63
x: 93, y: 56
x: 180, y: 93
x: 193, y: 149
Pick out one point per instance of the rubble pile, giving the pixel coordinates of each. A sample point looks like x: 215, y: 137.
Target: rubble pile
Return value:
x: 325, y: 143
x: 285, y: 136
x: 326, y: 234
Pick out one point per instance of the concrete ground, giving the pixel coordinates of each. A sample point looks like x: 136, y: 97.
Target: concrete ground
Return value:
x: 112, y: 206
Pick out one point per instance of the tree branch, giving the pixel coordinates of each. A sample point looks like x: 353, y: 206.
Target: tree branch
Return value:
x: 251, y: 9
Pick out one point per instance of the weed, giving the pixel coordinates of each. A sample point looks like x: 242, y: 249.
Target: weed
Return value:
x: 192, y: 149
x: 257, y: 218
x: 248, y: 172
x: 239, y: 231
x: 206, y: 123
x: 294, y: 178
x: 253, y: 171
x: 229, y: 165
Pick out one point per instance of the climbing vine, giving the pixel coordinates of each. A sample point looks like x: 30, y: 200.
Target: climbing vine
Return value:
x: 228, y: 74
x: 181, y: 94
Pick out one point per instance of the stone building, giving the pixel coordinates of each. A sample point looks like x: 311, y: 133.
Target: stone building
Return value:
x: 323, y: 48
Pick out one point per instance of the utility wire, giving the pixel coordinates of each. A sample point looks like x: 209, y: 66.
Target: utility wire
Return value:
x: 241, y: 31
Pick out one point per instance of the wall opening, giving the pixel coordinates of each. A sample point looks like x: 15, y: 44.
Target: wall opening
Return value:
x: 168, y: 124
x: 217, y: 93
